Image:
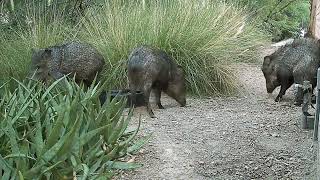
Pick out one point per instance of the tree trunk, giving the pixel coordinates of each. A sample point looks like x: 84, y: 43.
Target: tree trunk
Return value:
x: 314, y: 26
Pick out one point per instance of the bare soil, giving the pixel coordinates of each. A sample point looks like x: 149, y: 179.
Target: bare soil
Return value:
x: 245, y: 137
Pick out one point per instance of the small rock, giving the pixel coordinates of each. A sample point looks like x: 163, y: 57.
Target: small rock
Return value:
x: 141, y: 151
x: 275, y: 135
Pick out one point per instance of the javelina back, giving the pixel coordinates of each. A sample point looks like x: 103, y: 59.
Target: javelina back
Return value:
x: 74, y: 58
x: 151, y: 68
x: 292, y: 63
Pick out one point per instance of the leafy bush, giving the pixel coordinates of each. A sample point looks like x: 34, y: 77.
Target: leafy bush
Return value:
x: 203, y: 38
x: 283, y: 19
x: 61, y: 132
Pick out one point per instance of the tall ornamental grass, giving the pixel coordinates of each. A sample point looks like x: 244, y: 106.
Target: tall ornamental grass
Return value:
x: 37, y: 26
x: 205, y: 38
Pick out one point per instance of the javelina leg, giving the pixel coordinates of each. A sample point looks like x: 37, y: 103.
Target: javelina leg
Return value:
x: 282, y: 92
x: 146, y: 92
x: 157, y: 93
x: 132, y: 97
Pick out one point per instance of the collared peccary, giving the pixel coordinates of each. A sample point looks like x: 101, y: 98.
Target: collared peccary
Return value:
x: 74, y: 58
x: 292, y: 63
x: 152, y: 68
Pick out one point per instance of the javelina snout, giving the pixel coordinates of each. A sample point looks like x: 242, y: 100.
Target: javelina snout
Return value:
x: 176, y: 88
x: 149, y: 69
x: 271, y: 85
x: 270, y: 74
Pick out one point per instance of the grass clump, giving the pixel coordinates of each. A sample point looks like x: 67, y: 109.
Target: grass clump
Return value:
x: 62, y: 132
x: 37, y: 25
x: 204, y: 38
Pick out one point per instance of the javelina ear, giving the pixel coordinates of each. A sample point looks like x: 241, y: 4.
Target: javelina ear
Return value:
x: 267, y: 60
x: 47, y: 52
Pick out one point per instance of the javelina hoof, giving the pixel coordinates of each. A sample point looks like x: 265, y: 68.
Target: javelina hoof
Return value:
x: 151, y: 114
x: 278, y: 99
x: 160, y: 106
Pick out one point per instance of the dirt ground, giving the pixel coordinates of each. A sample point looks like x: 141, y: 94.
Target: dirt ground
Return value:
x: 244, y: 137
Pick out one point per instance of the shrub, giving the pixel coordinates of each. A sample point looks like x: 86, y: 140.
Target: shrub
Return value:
x: 203, y: 38
x: 60, y: 132
x: 39, y: 26
x: 283, y: 19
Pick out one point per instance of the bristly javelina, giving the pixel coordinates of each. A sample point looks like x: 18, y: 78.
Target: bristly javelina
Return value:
x: 74, y: 58
x: 293, y: 63
x: 151, y: 68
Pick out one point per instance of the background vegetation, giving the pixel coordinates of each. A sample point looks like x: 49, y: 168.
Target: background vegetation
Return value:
x: 203, y: 37
x: 60, y: 132
x: 282, y: 18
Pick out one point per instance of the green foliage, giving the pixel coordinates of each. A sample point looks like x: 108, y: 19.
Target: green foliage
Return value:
x: 38, y: 30
x: 281, y: 18
x: 15, y: 56
x: 62, y: 131
x: 203, y: 39
x: 17, y: 10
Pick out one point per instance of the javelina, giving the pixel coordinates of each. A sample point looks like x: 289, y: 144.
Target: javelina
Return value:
x: 74, y: 58
x: 292, y: 63
x: 151, y: 68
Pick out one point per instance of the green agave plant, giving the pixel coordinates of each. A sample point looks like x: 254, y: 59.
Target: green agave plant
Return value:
x: 63, y: 132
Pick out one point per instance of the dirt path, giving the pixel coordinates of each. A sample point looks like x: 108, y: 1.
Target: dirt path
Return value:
x: 246, y: 137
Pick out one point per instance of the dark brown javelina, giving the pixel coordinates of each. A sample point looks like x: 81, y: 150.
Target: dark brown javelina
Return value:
x: 292, y: 63
x: 74, y: 58
x: 151, y: 68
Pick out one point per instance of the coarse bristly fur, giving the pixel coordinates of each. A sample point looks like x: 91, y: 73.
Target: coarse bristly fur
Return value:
x: 292, y: 63
x: 152, y: 68
x: 74, y: 58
